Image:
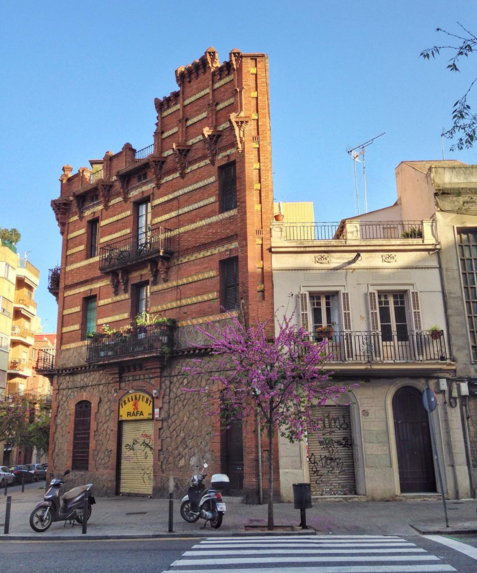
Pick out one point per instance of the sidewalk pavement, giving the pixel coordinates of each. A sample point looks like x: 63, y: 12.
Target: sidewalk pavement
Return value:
x: 131, y: 517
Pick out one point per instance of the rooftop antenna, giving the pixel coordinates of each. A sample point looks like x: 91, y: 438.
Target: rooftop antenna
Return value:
x: 355, y: 154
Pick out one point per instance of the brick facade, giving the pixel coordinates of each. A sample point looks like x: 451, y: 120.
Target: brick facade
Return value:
x: 219, y: 114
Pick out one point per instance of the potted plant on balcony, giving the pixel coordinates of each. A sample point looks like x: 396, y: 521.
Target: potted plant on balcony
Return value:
x: 436, y: 332
x: 412, y: 233
x: 326, y: 331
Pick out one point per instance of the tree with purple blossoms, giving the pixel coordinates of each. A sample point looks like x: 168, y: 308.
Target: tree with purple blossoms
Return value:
x: 277, y: 379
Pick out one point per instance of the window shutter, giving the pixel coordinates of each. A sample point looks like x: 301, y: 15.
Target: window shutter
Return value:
x: 304, y: 302
x: 373, y: 311
x: 81, y: 436
x: 346, y: 310
x: 231, y: 286
x: 228, y: 187
x: 415, y: 310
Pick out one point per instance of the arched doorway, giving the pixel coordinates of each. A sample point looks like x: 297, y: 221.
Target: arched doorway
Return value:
x: 413, y: 442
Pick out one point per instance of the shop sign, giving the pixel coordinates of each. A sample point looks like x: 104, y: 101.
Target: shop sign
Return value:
x: 135, y: 406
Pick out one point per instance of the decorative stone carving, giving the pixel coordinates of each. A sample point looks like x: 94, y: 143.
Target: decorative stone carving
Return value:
x: 212, y: 57
x: 239, y: 123
x: 104, y: 188
x: 164, y: 269
x: 79, y: 200
x: 157, y: 163
x: 158, y: 105
x: 115, y: 282
x: 211, y: 140
x: 181, y: 151
x: 124, y: 182
x: 235, y: 58
x: 125, y: 279
x: 322, y: 259
x: 61, y: 208
x: 153, y: 270
x: 389, y: 258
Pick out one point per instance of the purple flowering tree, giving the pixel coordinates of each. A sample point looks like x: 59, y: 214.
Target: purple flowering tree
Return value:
x: 278, y: 379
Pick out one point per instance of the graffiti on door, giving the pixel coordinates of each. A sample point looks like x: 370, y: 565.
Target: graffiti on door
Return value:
x: 140, y: 451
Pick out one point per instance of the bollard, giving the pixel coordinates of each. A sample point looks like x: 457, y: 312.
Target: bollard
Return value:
x: 303, y: 519
x: 6, y: 529
x: 85, y: 514
x: 23, y: 482
x: 6, y: 487
x: 171, y: 513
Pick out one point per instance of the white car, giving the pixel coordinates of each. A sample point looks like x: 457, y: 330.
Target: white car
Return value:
x: 5, y: 476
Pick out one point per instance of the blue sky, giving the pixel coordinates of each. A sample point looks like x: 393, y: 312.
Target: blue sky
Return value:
x: 80, y: 79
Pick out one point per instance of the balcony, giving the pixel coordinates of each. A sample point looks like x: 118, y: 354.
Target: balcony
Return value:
x: 354, y: 229
x: 54, y: 281
x: 23, y: 333
x: 391, y: 349
x: 144, y: 152
x: 156, y: 339
x: 17, y: 366
x: 45, y: 362
x: 156, y: 244
x: 26, y: 304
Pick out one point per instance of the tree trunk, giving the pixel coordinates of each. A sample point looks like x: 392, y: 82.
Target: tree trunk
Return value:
x: 270, y: 475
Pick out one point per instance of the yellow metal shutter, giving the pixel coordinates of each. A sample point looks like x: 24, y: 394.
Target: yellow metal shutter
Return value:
x: 137, y: 456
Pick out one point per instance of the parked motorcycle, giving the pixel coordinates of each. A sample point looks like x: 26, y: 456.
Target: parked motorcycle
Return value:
x: 202, y: 503
x: 69, y: 506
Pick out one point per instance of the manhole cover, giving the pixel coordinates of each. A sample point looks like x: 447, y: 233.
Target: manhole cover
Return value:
x: 137, y: 513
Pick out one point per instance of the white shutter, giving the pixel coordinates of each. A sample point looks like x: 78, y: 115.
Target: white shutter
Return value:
x: 304, y: 302
x: 374, y: 321
x: 415, y: 311
x: 346, y: 343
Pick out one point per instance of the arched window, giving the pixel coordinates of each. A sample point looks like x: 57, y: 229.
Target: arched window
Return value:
x: 81, y: 436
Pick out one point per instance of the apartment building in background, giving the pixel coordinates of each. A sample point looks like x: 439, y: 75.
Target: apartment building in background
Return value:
x: 180, y: 230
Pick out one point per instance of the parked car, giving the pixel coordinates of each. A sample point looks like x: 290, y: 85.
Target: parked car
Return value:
x: 19, y: 471
x: 6, y: 476
x: 37, y: 470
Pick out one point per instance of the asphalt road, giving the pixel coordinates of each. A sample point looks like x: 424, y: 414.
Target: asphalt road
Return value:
x: 114, y: 556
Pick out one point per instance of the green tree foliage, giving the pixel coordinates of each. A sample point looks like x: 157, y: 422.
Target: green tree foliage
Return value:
x: 24, y: 421
x: 10, y: 235
x: 464, y: 127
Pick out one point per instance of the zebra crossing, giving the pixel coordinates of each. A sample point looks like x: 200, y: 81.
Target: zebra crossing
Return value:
x: 309, y: 554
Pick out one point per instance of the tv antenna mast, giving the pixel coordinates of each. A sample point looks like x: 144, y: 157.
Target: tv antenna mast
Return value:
x: 355, y: 154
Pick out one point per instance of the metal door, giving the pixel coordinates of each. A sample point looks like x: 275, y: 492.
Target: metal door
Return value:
x: 234, y: 457
x: 137, y: 456
x: 413, y: 442
x: 330, y: 452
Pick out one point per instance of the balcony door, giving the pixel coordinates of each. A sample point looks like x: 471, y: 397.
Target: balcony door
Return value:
x: 143, y: 224
x: 393, y: 316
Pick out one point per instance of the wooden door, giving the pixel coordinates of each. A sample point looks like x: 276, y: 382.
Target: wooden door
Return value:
x: 413, y: 442
x: 233, y: 457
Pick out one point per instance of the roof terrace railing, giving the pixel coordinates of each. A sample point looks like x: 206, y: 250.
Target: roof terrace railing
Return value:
x: 144, y: 152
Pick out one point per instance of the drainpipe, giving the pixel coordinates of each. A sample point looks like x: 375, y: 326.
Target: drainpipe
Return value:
x: 444, y: 301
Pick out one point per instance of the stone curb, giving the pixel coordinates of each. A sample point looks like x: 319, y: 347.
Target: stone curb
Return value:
x: 172, y: 536
x: 423, y: 530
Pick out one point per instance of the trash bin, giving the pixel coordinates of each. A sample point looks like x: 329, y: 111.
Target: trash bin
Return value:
x: 302, y: 496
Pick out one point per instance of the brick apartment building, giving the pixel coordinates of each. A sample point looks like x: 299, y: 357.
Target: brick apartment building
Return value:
x: 179, y: 228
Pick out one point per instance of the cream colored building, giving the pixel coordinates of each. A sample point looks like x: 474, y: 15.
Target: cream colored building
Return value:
x: 372, y: 288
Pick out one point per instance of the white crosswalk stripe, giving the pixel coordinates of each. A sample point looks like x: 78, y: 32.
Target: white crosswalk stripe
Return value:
x: 309, y: 554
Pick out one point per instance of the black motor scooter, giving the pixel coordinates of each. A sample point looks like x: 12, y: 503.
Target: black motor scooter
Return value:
x: 205, y: 503
x: 68, y: 507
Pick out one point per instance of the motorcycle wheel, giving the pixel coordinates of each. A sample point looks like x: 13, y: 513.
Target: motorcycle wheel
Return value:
x: 79, y: 514
x: 187, y: 514
x: 37, y: 523
x: 216, y: 522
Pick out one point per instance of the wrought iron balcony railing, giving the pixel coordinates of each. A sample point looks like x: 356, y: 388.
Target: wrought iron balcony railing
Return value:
x: 18, y: 365
x: 45, y: 361
x: 353, y: 229
x: 54, y: 280
x: 141, y: 340
x: 378, y: 347
x: 144, y: 152
x: 124, y: 253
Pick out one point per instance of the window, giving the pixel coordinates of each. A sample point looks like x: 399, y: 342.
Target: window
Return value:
x: 143, y: 222
x: 81, y: 436
x: 393, y: 316
x: 89, y: 315
x: 6, y: 307
x: 93, y: 228
x: 229, y: 284
x: 325, y: 314
x: 227, y: 187
x: 4, y: 343
x: 142, y: 177
x: 8, y: 272
x: 141, y: 299
x: 467, y: 244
